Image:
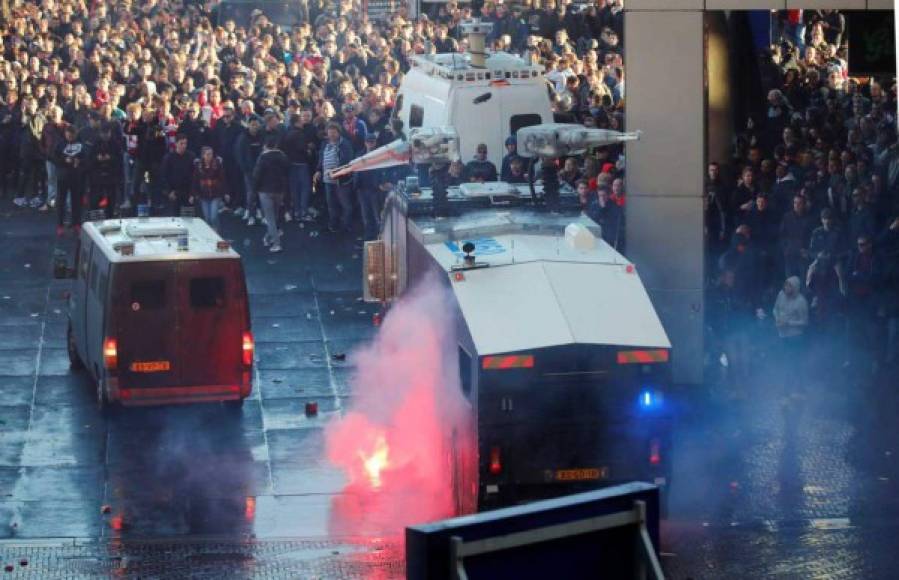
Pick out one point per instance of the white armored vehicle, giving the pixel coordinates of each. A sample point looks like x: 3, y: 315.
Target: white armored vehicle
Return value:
x: 562, y: 357
x: 484, y: 97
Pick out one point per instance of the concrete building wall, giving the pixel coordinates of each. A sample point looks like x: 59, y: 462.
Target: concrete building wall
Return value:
x: 667, y: 98
x: 676, y: 5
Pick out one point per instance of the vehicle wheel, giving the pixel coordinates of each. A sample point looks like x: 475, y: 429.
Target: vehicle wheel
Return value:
x: 107, y: 408
x: 74, y: 360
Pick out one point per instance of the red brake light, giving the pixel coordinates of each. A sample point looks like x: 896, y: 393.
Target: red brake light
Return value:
x: 496, y: 465
x: 110, y: 353
x: 648, y: 356
x: 515, y: 361
x: 655, y: 454
x: 248, y: 347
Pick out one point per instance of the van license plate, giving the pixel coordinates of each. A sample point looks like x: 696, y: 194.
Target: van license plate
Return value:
x: 582, y: 474
x: 150, y: 367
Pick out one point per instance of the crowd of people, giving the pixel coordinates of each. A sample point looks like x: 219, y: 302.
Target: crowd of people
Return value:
x: 802, y: 225
x: 114, y: 104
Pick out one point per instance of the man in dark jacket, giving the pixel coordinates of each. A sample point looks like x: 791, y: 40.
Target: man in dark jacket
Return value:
x: 248, y: 148
x: 605, y: 213
x: 106, y: 171
x: 270, y: 181
x: 299, y: 146
x: 795, y: 233
x: 10, y: 122
x: 336, y: 152
x: 153, y: 148
x: 828, y: 237
x: 480, y: 168
x: 368, y: 184
x: 71, y: 161
x: 196, y: 128
x: 511, y: 153
x: 177, y: 174
x: 224, y: 142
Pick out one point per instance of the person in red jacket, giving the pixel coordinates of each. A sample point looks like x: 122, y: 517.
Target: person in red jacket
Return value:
x: 208, y: 186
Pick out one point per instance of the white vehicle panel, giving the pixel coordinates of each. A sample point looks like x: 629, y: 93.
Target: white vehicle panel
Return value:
x: 523, y: 315
x: 545, y: 304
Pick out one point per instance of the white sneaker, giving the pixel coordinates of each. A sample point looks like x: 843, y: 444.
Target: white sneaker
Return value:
x: 263, y: 221
x: 20, y: 201
x: 258, y: 214
x: 52, y: 203
x: 275, y: 248
x: 288, y: 217
x: 251, y: 221
x: 313, y: 212
x: 265, y: 241
x: 239, y: 212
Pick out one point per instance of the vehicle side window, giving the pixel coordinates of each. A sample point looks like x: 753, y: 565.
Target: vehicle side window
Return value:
x: 416, y: 116
x: 207, y: 292
x: 519, y: 121
x: 465, y: 372
x: 147, y: 295
x: 398, y: 105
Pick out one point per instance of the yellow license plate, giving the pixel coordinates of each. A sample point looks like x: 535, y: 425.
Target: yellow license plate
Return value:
x: 582, y: 474
x: 155, y: 366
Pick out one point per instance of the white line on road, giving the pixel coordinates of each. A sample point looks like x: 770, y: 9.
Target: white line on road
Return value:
x: 331, y: 379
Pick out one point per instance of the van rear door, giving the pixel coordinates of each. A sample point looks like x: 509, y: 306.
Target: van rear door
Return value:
x: 213, y: 312
x: 147, y: 324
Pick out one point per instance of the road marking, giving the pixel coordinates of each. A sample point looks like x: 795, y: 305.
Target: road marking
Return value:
x: 268, y: 449
x: 16, y: 519
x: 331, y: 379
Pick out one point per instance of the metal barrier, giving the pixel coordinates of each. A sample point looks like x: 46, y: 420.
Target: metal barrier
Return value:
x: 636, y: 517
x: 610, y: 533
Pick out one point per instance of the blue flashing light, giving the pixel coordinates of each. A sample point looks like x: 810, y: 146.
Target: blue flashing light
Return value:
x: 650, y: 400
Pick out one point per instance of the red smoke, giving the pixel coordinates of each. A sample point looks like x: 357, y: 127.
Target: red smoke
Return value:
x: 393, y: 442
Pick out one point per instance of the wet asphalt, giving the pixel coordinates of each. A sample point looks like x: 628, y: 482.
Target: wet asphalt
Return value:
x: 771, y: 484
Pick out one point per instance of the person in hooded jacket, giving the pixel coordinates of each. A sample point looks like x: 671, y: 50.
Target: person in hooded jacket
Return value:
x: 208, y: 186
x: 791, y: 318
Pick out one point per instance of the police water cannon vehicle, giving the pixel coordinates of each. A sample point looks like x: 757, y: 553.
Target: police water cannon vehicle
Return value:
x: 563, y: 360
x: 484, y: 96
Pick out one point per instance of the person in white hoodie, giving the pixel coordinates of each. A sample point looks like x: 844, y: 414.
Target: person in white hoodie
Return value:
x: 791, y: 318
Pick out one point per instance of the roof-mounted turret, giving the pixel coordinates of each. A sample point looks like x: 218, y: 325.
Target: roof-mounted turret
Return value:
x: 477, y: 32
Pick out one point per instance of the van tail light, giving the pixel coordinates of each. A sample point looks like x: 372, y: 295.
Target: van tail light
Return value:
x: 655, y: 453
x: 248, y: 346
x: 110, y: 353
x: 496, y: 464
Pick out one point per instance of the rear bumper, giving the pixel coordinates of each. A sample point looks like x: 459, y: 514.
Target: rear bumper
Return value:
x: 493, y: 496
x: 141, y: 397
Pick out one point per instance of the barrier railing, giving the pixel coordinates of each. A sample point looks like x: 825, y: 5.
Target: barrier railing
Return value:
x: 648, y: 562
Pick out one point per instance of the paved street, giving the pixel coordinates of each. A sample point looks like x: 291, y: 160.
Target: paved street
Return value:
x: 772, y: 486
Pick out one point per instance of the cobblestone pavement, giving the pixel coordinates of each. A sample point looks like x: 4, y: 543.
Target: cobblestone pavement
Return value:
x: 202, y: 558
x: 775, y: 484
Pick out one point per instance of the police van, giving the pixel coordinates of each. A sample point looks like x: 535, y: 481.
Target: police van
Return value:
x: 158, y: 313
x: 563, y: 361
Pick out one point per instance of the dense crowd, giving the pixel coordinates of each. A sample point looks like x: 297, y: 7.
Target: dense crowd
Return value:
x: 115, y: 104
x: 803, y: 222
